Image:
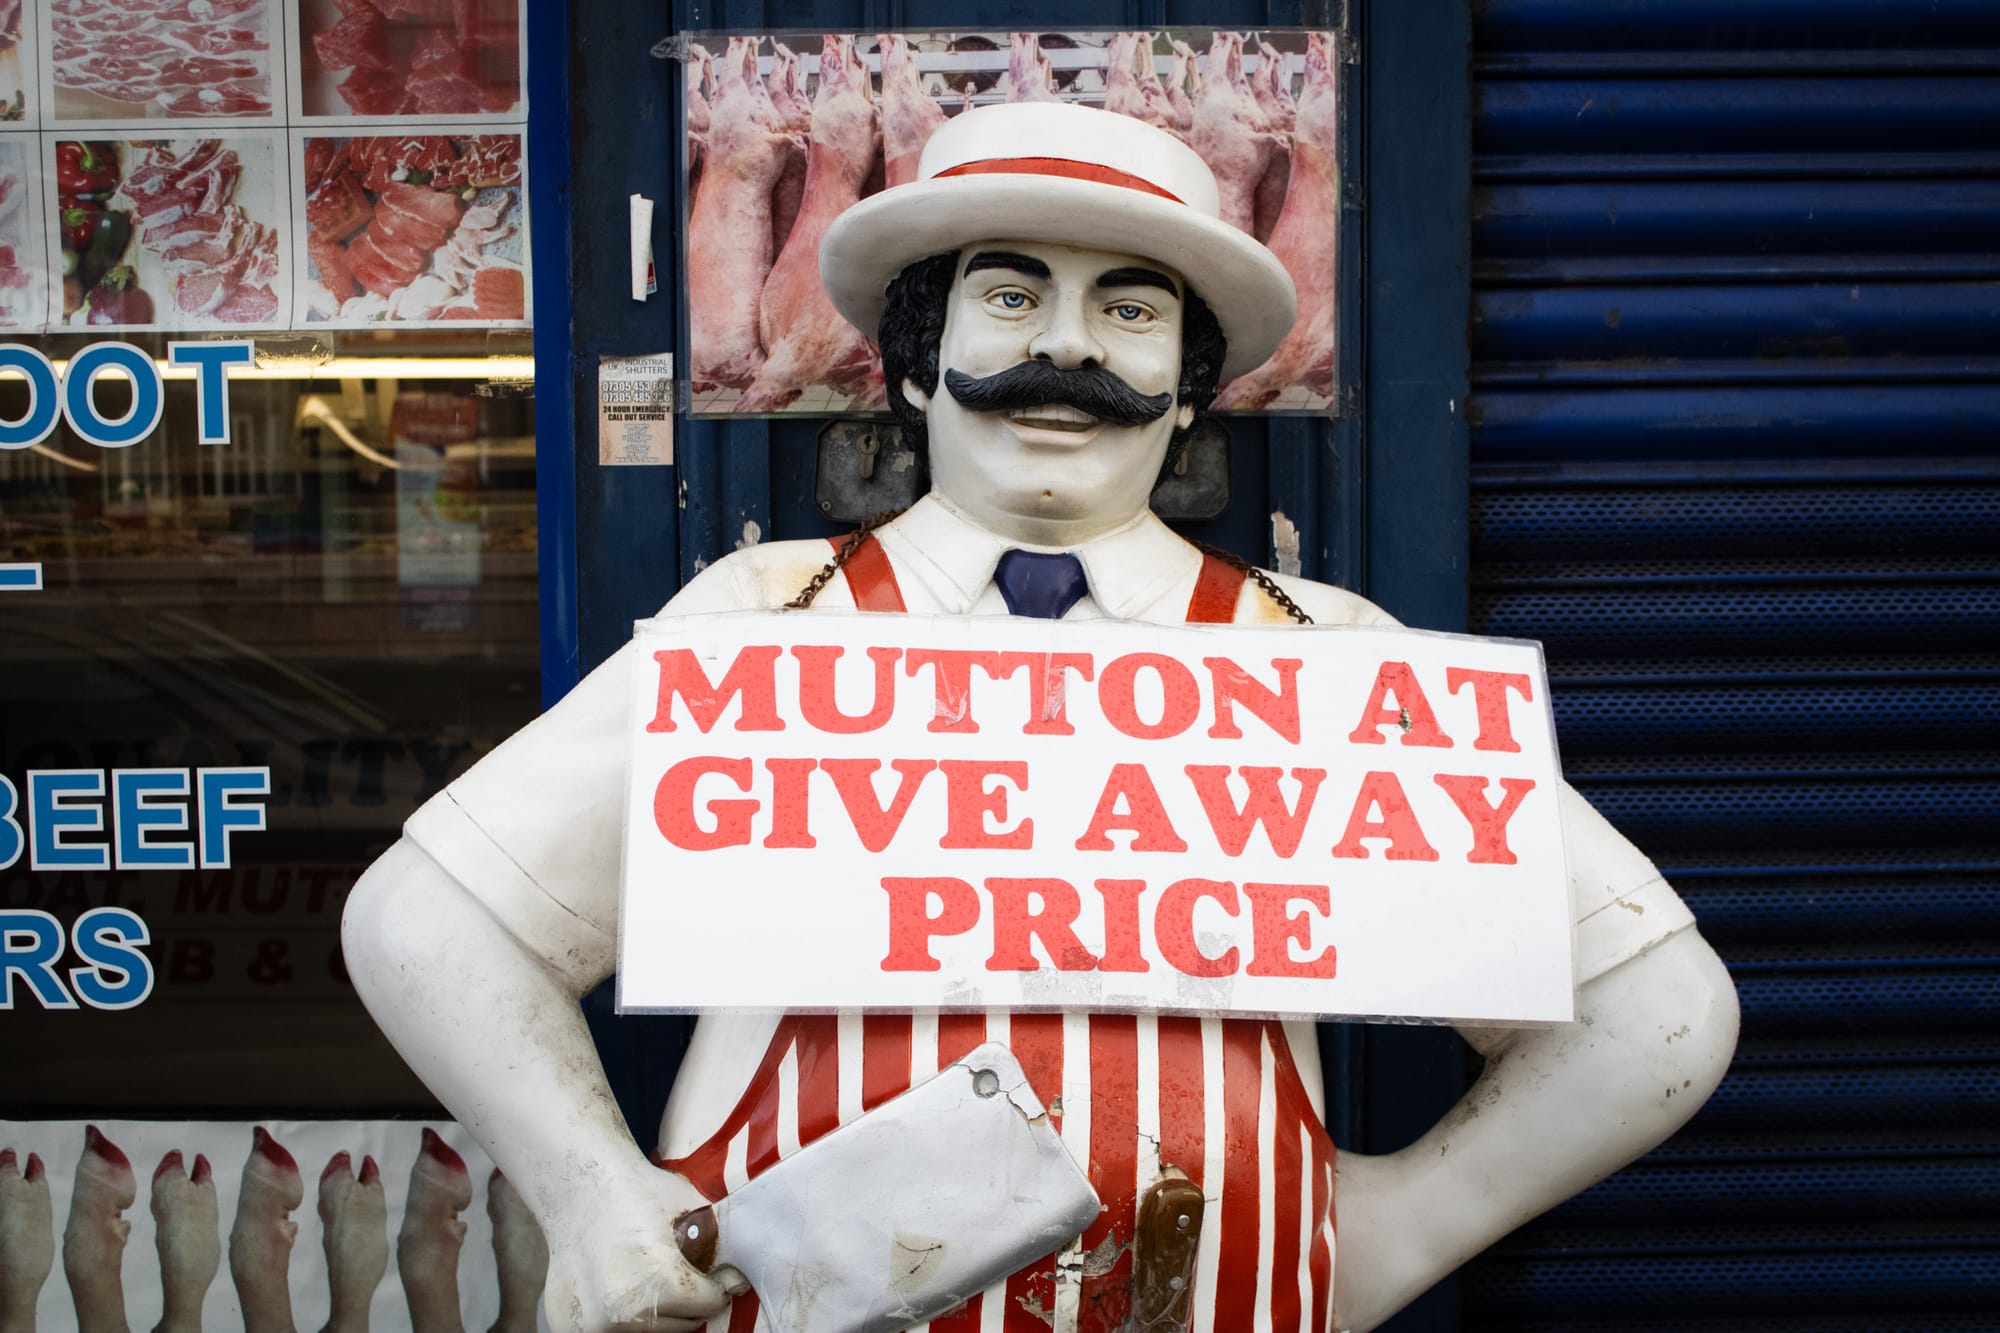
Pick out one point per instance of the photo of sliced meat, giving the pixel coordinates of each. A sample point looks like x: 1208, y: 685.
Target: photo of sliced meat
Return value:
x: 14, y: 75
x: 428, y: 58
x: 413, y: 229
x: 24, y: 279
x: 1260, y: 108
x: 172, y: 233
x: 132, y: 60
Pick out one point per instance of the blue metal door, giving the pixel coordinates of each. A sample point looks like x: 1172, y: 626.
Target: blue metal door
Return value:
x: 1736, y: 341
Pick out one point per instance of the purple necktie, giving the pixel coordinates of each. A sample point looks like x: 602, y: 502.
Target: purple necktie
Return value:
x: 1042, y: 586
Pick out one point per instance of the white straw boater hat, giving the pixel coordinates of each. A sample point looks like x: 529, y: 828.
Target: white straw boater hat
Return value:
x: 1065, y: 175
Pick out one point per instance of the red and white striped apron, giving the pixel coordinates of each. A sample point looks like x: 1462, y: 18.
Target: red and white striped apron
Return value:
x: 1220, y: 1100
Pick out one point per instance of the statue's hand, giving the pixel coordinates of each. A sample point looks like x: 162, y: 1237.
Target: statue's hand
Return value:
x: 615, y: 1266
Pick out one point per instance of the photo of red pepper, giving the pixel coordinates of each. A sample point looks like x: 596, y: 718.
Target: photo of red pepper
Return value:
x: 94, y: 236
x: 85, y: 169
x: 79, y: 226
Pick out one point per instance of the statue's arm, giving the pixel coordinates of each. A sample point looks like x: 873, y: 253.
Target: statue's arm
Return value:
x: 1555, y: 1110
x: 495, y: 1029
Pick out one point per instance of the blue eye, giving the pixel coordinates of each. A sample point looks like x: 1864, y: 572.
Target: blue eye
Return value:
x: 1014, y: 300
x: 1129, y: 312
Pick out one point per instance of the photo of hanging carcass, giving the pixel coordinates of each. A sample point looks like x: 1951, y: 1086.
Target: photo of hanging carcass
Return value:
x: 784, y: 131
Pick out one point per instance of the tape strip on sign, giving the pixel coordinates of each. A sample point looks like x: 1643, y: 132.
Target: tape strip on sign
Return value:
x: 850, y: 811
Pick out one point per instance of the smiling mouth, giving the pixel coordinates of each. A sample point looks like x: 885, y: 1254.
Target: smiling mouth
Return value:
x: 1055, y: 417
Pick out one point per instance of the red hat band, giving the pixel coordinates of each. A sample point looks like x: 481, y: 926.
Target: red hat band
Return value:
x: 1059, y: 166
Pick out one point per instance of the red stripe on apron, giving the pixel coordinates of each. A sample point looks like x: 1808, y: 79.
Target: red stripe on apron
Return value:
x: 703, y: 1167
x: 763, y: 1147
x: 957, y: 1035
x: 1114, y: 1165
x: 819, y: 1076
x: 1321, y: 1265
x: 885, y: 1058
x: 1236, y: 1270
x: 1287, y: 1184
x: 1037, y: 1042
x: 1183, y: 1105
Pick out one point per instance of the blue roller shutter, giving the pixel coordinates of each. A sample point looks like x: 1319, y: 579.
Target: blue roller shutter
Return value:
x: 1736, y: 461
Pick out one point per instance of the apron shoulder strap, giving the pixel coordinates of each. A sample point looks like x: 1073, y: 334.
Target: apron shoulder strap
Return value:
x: 1215, y: 592
x: 870, y: 577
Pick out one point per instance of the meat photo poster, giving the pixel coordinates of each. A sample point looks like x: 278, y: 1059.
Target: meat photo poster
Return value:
x: 20, y: 108
x: 211, y: 62
x: 365, y: 60
x: 832, y: 118
x: 191, y: 232
x: 24, y: 276
x: 413, y: 230
x: 210, y: 1226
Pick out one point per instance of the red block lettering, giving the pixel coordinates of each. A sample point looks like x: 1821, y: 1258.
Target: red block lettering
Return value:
x: 1180, y: 696
x: 969, y: 802
x: 1489, y: 822
x: 951, y: 681
x: 791, y: 803
x: 1264, y: 804
x: 1274, y: 931
x: 1173, y: 927
x: 1143, y: 814
x: 1277, y: 709
x: 912, y: 925
x: 1411, y: 710
x: 874, y: 823
x: 1016, y: 921
x: 1048, y: 688
x: 818, y: 703
x: 1398, y: 822
x: 1489, y: 696
x: 1121, y: 926
x: 752, y: 676
x: 673, y: 805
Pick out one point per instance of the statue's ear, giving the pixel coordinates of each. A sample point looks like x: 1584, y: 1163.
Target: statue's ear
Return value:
x: 914, y: 395
x: 1184, y: 416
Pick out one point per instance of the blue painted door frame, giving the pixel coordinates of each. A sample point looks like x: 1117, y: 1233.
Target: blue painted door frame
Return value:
x: 1379, y: 497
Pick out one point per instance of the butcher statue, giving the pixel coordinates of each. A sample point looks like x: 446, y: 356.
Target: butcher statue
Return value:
x: 1056, y: 301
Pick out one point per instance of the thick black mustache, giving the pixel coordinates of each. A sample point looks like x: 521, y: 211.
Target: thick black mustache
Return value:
x: 1040, y: 383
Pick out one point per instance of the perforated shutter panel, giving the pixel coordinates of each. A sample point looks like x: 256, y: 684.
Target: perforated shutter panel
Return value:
x: 1736, y: 343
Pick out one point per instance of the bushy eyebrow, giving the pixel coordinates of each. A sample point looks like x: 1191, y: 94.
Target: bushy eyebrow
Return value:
x: 1138, y: 277
x: 1026, y: 265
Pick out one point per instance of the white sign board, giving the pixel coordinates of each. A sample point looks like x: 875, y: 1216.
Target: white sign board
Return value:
x: 855, y: 811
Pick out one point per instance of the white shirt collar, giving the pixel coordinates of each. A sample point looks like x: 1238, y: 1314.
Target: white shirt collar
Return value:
x: 1128, y: 569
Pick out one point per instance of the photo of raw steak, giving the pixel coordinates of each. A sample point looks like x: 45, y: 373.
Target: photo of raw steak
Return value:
x: 196, y: 59
x: 413, y: 229
x: 410, y: 57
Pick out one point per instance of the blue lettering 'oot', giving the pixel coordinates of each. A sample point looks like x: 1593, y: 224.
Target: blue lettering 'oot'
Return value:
x: 49, y: 813
x: 220, y: 816
x: 30, y: 943
x: 43, y: 402
x: 80, y: 407
x: 119, y: 976
x: 212, y: 362
x: 138, y: 810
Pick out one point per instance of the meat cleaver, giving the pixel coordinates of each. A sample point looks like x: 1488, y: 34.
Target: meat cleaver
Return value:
x: 904, y: 1212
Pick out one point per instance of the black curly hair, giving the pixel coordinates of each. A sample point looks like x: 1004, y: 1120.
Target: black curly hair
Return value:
x: 913, y: 325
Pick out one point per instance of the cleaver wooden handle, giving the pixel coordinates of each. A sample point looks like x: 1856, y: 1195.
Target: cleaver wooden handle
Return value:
x: 699, y: 1238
